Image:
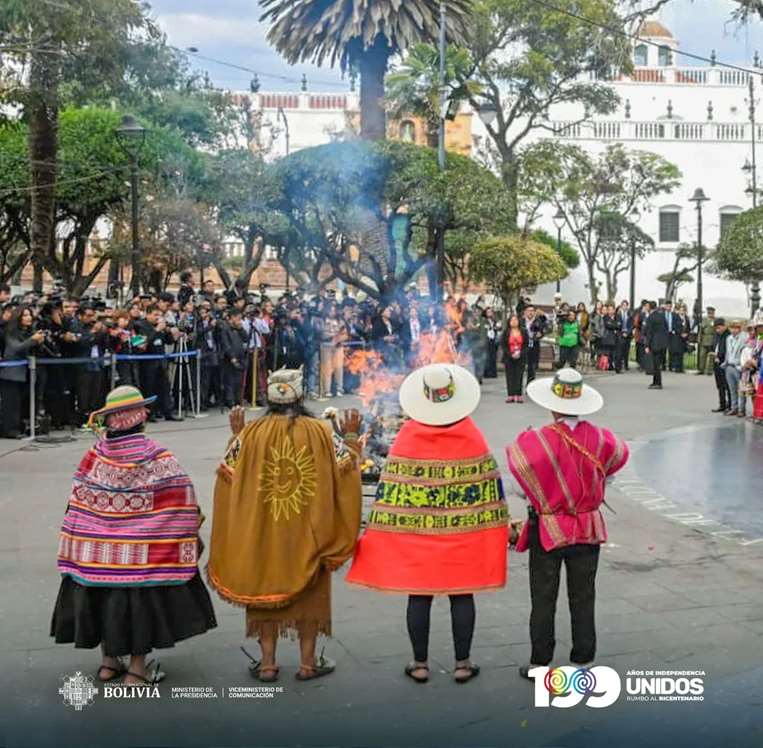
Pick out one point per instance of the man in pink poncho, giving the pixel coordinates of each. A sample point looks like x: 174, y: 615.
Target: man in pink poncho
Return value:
x: 562, y: 470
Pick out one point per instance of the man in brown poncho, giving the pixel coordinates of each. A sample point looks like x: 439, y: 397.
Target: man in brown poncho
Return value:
x: 286, y: 514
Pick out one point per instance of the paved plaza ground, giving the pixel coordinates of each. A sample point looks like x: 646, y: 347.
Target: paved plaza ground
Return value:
x: 679, y: 587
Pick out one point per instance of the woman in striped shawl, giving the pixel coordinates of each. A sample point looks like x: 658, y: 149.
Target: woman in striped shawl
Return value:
x: 129, y: 547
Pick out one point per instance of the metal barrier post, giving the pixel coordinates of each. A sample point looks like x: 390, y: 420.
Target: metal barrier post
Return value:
x: 198, y: 381
x: 254, y: 379
x: 32, y: 397
x: 179, y: 366
x: 113, y: 370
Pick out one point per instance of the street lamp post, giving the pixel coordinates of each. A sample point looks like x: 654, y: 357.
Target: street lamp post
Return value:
x: 559, y: 219
x: 282, y: 116
x: 440, y: 250
x: 131, y: 136
x: 634, y: 216
x: 698, y: 198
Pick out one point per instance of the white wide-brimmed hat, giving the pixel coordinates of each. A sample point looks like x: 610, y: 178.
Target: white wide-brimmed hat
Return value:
x: 439, y: 394
x: 565, y: 393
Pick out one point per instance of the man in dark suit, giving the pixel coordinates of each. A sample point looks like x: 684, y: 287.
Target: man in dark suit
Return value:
x: 657, y: 338
x: 623, y: 350
x: 679, y: 340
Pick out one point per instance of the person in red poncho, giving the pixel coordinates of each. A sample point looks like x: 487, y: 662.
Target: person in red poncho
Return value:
x: 439, y: 525
x: 562, y: 470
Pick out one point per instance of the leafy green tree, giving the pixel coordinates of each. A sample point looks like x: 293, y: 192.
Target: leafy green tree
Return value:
x: 509, y: 265
x: 739, y: 255
x: 598, y: 194
x: 568, y: 254
x: 413, y: 87
x: 362, y: 34
x: 245, y: 189
x: 387, y: 199
x: 621, y: 241
x: 681, y: 272
x: 528, y: 57
x: 14, y: 200
x: 68, y: 48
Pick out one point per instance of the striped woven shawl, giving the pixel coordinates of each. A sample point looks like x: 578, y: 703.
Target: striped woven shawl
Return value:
x: 132, y: 518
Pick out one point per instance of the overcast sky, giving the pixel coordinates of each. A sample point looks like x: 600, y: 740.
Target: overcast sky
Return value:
x: 228, y: 30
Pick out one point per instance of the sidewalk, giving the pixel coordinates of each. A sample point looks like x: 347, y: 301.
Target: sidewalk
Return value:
x: 670, y: 596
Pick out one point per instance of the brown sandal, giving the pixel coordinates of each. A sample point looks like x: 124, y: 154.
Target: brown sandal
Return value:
x: 263, y: 673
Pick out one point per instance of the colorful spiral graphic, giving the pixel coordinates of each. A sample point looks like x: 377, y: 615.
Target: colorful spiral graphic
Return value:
x: 583, y: 681
x: 556, y: 682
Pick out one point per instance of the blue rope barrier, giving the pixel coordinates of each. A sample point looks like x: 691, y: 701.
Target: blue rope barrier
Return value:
x: 100, y: 360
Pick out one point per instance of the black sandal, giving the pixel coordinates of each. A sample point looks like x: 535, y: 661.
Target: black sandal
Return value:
x: 474, y: 671
x: 263, y: 673
x: 118, y: 671
x: 322, y: 668
x: 412, y: 667
x: 154, y: 676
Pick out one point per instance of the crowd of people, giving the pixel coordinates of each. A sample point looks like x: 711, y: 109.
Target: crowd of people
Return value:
x: 88, y: 346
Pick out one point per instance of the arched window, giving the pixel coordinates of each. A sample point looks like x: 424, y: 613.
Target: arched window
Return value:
x: 408, y: 131
x: 640, y: 55
x: 664, y: 56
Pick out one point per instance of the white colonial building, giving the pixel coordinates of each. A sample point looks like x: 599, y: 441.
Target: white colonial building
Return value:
x: 695, y: 116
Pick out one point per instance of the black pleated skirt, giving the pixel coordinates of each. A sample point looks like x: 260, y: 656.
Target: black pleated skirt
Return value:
x: 130, y: 620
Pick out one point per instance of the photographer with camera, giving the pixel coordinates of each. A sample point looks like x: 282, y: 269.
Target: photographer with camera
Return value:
x: 288, y: 341
x: 89, y: 342
x: 206, y: 340
x: 153, y: 372
x: 20, y: 341
x: 233, y: 344
x: 54, y: 381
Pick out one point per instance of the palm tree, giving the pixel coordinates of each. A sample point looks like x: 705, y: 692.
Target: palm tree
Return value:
x: 362, y: 33
x: 414, y: 86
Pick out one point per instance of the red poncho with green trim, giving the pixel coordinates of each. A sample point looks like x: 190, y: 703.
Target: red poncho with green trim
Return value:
x: 439, y: 524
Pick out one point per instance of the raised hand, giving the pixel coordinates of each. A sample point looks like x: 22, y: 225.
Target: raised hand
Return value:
x: 349, y: 422
x: 237, y: 420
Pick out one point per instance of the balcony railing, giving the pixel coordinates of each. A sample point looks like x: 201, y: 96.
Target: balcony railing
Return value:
x: 686, y: 76
x: 726, y: 132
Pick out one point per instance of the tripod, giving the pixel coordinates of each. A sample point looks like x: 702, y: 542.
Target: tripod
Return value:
x: 183, y: 380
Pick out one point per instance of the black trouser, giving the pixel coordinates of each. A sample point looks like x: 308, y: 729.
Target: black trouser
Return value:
x: 233, y: 378
x: 622, y: 353
x: 581, y: 562
x: 568, y: 356
x: 724, y: 396
x: 656, y: 372
x: 676, y: 361
x: 533, y: 360
x: 515, y: 370
x: 11, y: 397
x: 89, y: 390
x: 462, y: 617
x: 491, y: 363
x: 154, y: 382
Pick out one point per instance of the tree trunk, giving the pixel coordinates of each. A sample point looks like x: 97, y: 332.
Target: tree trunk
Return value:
x: 373, y: 67
x: 593, y: 286
x: 42, y: 115
x: 510, y: 179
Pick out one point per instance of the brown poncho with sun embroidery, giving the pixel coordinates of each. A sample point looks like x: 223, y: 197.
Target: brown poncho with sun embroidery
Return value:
x: 286, y: 512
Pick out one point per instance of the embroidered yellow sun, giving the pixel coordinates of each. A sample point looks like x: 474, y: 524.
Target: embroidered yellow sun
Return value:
x: 289, y: 477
